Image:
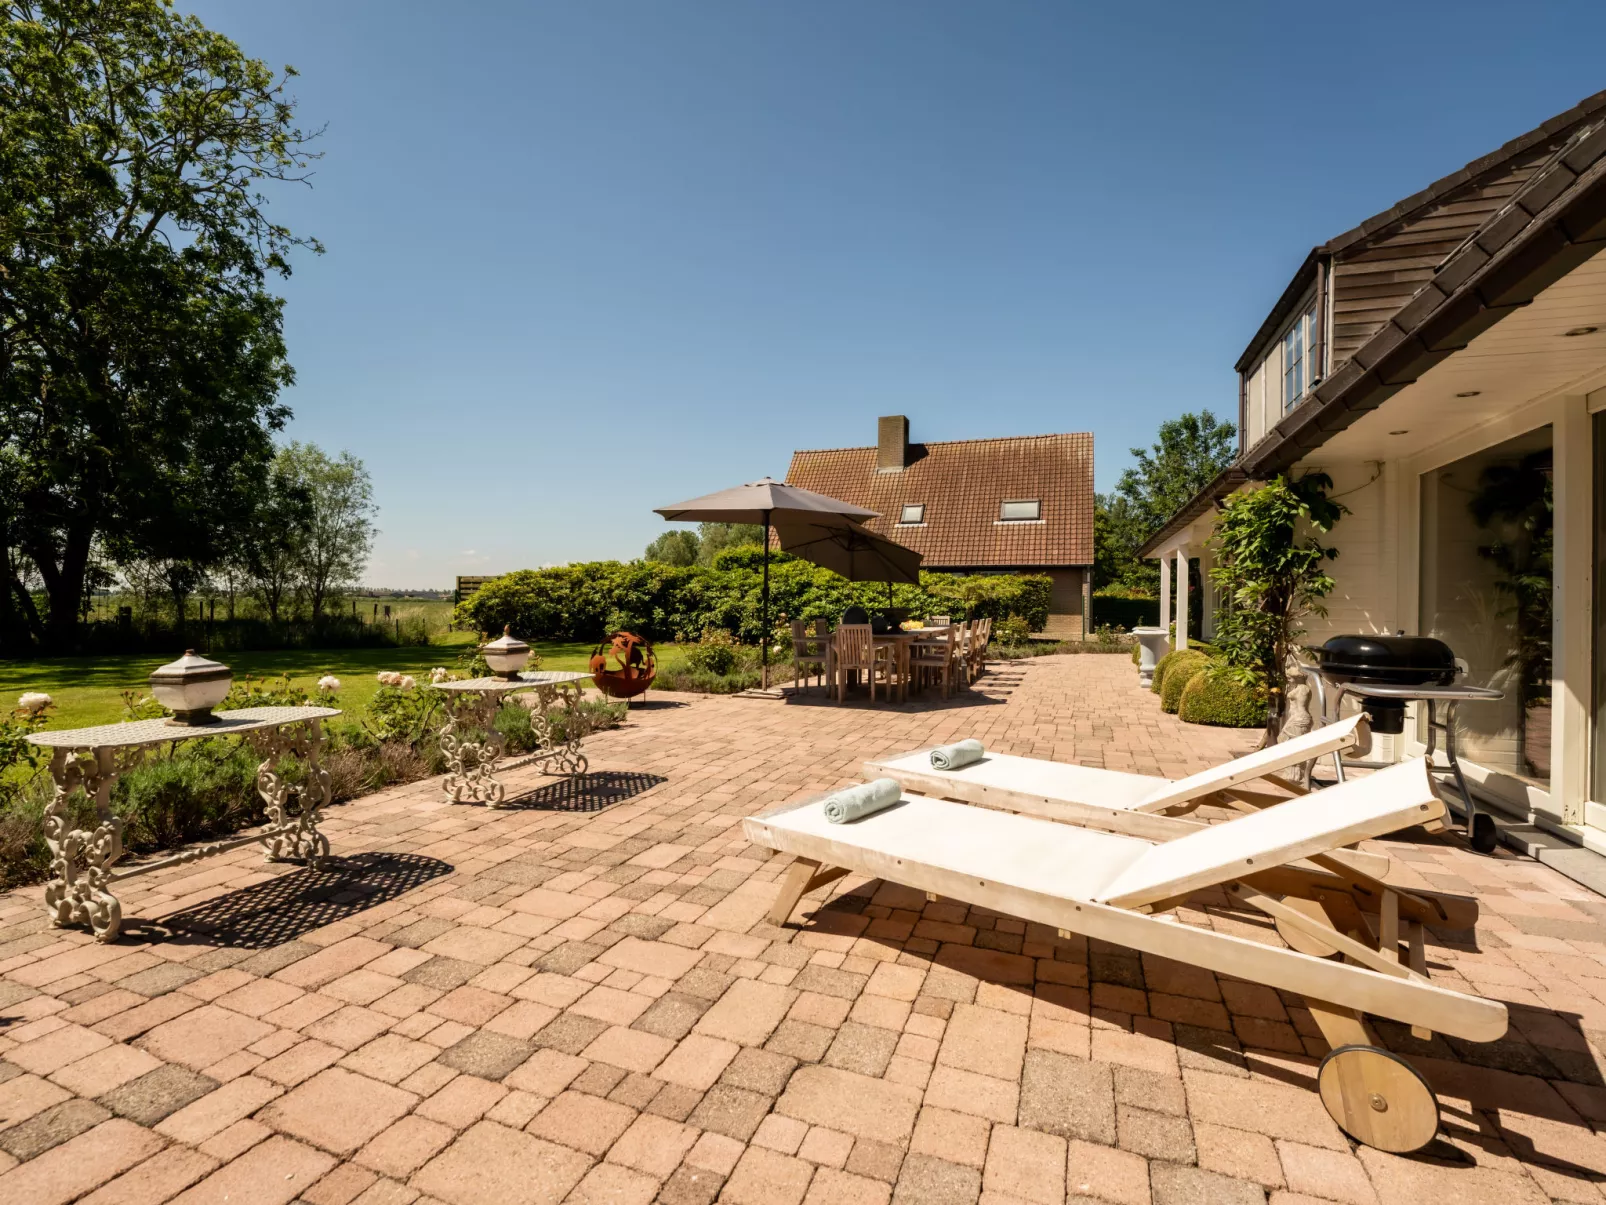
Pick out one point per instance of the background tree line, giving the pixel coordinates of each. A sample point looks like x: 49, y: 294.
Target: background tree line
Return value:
x: 142, y: 349
x: 1189, y: 453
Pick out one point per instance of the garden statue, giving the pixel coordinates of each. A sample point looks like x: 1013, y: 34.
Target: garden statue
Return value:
x: 623, y: 665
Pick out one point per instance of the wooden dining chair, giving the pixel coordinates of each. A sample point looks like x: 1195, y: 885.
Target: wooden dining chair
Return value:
x: 976, y: 655
x: 937, y: 659
x: 809, y: 654
x: 853, y: 648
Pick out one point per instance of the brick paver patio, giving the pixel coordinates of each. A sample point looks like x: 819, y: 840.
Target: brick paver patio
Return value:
x: 578, y: 999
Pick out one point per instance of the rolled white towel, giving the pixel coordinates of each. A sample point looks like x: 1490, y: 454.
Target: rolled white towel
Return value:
x: 952, y: 757
x: 863, y: 800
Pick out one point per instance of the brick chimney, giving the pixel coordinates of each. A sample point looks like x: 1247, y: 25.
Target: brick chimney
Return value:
x: 892, y: 443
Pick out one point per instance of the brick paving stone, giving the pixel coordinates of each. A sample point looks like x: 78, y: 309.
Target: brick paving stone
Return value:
x: 57, y: 1049
x: 1104, y: 1173
x: 610, y: 1184
x: 337, y: 1110
x: 389, y: 1057
x: 1174, y: 1184
x: 158, y: 1093
x: 75, y: 1167
x: 274, y: 1172
x: 105, y: 1070
x: 653, y: 1145
x: 22, y: 1096
x: 765, y: 1177
x: 583, y: 1122
x: 1239, y: 1154
x: 491, y: 1162
x: 734, y: 1112
x: 945, y: 1134
x: 1154, y: 1135
x: 924, y: 1180
x: 863, y: 1106
x: 487, y: 1055
x: 50, y: 1128
x: 1337, y: 1175
x: 214, y: 1112
x: 402, y: 1148
x: 759, y: 1071
x: 164, y: 1175
x: 697, y: 1062
x: 833, y: 1187
x: 1026, y: 1165
x: 204, y: 1036
x: 747, y: 1013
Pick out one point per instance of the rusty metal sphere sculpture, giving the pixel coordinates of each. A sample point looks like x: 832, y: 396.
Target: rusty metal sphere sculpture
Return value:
x: 624, y: 665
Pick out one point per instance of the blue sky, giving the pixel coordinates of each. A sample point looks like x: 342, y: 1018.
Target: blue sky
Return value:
x: 588, y: 258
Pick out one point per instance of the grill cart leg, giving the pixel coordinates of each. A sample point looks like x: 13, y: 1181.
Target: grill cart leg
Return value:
x: 1481, y: 832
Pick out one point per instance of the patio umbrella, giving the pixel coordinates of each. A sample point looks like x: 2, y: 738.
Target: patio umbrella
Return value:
x: 767, y: 502
x: 848, y: 549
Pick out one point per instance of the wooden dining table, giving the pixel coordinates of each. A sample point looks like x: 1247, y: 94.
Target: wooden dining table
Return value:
x: 901, y: 643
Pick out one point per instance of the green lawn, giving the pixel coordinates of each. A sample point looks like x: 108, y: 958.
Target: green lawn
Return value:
x: 87, y: 689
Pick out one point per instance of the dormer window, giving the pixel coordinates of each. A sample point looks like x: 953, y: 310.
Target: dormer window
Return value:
x: 1300, y: 370
x: 1021, y: 511
x: 912, y: 513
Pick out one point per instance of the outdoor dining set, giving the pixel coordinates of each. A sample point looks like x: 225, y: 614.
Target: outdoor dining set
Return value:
x: 941, y: 653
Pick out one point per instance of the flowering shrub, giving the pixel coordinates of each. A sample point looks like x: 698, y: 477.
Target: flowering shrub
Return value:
x: 716, y: 653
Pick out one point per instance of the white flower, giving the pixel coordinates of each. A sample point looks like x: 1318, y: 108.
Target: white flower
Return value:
x: 407, y: 682
x: 34, y: 701
x: 439, y: 674
x: 329, y: 682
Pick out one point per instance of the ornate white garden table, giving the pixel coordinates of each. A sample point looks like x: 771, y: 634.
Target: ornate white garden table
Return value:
x: 91, y: 760
x: 472, y: 764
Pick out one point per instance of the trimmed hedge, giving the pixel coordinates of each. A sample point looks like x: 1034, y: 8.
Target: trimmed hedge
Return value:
x: 1126, y: 613
x: 1160, y: 668
x: 1182, y: 671
x: 672, y: 602
x: 1211, y: 697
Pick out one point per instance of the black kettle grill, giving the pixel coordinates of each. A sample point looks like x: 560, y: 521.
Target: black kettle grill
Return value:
x: 1358, y: 661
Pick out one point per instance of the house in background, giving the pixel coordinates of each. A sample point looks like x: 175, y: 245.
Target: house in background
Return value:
x: 1017, y: 505
x: 1445, y: 363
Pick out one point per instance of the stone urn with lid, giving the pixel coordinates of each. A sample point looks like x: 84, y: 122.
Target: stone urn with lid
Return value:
x: 507, y: 655
x: 190, y: 687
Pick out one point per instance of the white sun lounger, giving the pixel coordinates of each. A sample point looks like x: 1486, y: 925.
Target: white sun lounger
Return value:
x: 1106, y: 886
x: 1141, y: 805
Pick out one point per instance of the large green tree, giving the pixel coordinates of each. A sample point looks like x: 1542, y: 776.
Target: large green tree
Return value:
x: 1189, y: 453
x: 141, y: 350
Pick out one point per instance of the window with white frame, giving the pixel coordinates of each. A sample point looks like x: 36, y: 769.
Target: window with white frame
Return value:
x: 912, y: 512
x: 1300, y: 369
x: 1020, y: 511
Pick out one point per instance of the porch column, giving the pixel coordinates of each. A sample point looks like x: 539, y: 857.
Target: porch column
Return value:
x: 1165, y: 591
x: 1570, y: 686
x: 1182, y: 597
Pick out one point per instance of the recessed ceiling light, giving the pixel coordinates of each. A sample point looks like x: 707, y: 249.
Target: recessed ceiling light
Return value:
x: 1400, y: 432
x: 1470, y: 393
x: 1581, y: 330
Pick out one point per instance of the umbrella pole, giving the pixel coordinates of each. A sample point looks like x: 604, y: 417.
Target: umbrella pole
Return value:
x: 764, y: 648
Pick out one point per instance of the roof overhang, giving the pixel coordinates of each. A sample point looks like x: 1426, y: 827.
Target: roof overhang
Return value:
x: 1556, y: 224
x: 1549, y: 230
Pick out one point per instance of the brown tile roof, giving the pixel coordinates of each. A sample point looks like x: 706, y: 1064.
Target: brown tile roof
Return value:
x: 961, y: 483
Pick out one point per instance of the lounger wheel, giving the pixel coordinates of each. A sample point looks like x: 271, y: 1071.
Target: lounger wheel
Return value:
x: 1379, y: 1099
x: 1485, y: 837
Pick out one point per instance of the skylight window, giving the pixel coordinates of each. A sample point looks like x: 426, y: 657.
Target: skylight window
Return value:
x: 913, y: 512
x: 1020, y: 511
